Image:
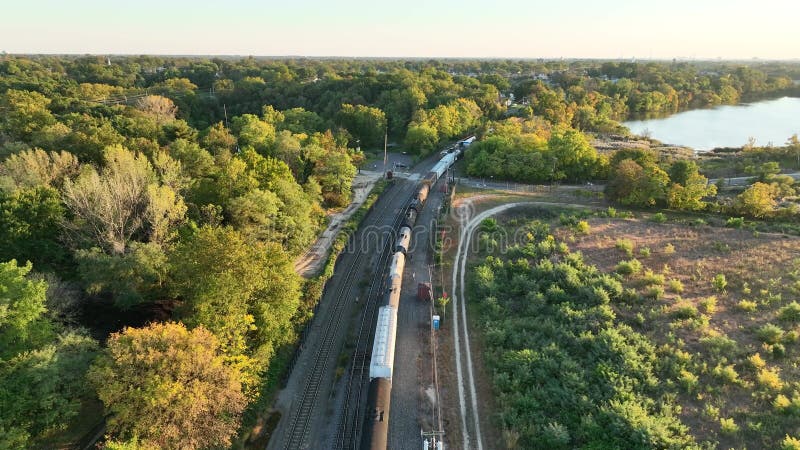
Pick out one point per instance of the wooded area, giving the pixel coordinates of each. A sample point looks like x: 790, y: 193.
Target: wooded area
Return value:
x: 151, y: 207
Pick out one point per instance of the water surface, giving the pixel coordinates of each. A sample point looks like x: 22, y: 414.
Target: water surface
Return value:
x: 769, y: 121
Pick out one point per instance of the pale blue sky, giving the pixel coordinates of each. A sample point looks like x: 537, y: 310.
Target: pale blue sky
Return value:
x: 768, y: 29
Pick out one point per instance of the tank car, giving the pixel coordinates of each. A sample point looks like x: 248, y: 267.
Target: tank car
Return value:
x: 376, y: 426
x: 403, y: 240
x: 410, y: 219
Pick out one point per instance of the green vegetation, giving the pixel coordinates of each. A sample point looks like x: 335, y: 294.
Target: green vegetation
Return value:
x: 176, y: 192
x: 41, y: 362
x: 169, y: 387
x: 718, y: 349
x: 553, y: 341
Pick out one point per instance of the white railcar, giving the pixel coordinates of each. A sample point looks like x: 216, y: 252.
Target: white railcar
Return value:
x: 382, y: 361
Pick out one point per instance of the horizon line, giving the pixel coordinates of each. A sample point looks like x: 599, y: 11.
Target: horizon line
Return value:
x: 393, y: 57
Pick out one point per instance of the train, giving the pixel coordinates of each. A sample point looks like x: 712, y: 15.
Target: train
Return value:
x: 376, y: 422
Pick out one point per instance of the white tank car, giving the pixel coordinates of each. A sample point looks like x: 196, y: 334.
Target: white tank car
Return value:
x: 382, y: 361
x: 393, y: 293
x: 398, y: 264
x: 403, y: 240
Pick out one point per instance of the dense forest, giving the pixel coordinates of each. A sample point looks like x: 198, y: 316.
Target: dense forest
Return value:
x: 151, y: 207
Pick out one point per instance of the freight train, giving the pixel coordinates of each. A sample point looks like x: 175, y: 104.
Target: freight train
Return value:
x: 376, y: 422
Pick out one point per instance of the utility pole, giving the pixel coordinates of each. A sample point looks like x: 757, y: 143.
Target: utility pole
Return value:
x: 385, y: 143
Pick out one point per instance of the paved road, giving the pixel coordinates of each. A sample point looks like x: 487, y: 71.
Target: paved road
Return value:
x: 488, y: 183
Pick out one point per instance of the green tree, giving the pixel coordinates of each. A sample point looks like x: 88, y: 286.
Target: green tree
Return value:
x: 22, y: 304
x: 169, y: 387
x: 421, y: 138
x: 365, y: 123
x: 41, y: 373
x: 688, y: 187
x: 24, y: 112
x: 335, y: 173
x: 41, y: 389
x: 254, y: 132
x: 217, y: 139
x: 255, y: 214
x: 632, y: 184
x: 242, y: 292
x: 30, y: 224
x: 575, y: 159
x: 134, y: 277
x: 758, y: 200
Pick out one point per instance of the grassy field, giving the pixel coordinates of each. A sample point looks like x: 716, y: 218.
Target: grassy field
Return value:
x: 723, y: 301
x: 717, y: 305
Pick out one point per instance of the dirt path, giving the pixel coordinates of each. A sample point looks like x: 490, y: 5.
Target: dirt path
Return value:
x: 471, y: 416
x: 310, y: 262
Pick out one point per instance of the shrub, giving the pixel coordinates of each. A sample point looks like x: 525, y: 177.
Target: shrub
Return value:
x: 626, y: 245
x: 630, y: 267
x: 727, y: 374
x: 686, y: 311
x: 756, y: 361
x: 734, y: 222
x: 611, y: 212
x: 489, y: 225
x: 747, y: 306
x: 582, y: 227
x: 659, y: 218
x: 778, y: 350
x: 669, y: 249
x: 650, y: 278
x: 629, y: 295
x: 644, y: 252
x: 699, y: 222
x: 728, y: 426
x: 790, y: 443
x: 770, y: 334
x: 709, y: 305
x: 719, y: 282
x: 786, y: 405
x: 675, y: 285
x: 556, y: 435
x: 688, y: 380
x: 719, y: 345
x: 769, y: 379
x: 711, y: 412
x: 654, y: 292
x: 790, y: 312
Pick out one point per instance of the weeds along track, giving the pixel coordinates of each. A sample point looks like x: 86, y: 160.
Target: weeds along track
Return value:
x: 298, y: 430
x: 348, y: 434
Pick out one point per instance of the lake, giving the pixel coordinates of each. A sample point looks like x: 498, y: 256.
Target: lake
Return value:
x: 769, y: 121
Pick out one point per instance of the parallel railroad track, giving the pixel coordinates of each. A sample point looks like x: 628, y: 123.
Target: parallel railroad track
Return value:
x: 298, y: 430
x: 350, y: 428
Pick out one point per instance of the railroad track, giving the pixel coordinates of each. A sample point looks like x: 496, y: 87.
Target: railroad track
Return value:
x: 349, y: 431
x: 298, y: 429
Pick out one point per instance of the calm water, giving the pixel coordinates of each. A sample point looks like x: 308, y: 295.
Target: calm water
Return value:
x: 770, y: 121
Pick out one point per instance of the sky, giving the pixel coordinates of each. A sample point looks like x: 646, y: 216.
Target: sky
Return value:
x: 700, y: 29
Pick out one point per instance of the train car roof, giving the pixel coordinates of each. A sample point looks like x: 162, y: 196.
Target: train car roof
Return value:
x: 382, y: 360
